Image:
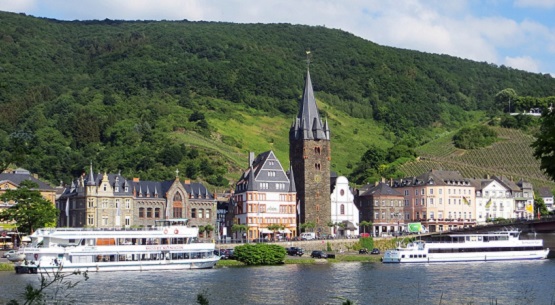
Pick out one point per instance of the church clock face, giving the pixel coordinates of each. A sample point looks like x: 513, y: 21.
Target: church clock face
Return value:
x: 317, y: 178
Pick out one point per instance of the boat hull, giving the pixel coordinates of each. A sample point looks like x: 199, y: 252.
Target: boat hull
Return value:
x: 118, y: 266
x: 396, y: 256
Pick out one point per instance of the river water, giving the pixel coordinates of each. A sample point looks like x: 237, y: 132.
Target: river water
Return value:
x: 521, y: 282
x: 489, y: 283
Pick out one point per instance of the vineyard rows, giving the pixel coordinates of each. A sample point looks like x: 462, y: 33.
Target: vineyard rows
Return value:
x: 511, y: 156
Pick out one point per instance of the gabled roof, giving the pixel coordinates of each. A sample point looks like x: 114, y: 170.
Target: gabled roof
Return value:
x: 265, y: 168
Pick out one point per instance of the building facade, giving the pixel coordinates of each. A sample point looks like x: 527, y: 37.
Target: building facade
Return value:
x: 440, y: 200
x: 310, y: 156
x: 105, y: 200
x: 264, y: 196
x: 494, y: 199
x: 383, y: 206
x: 344, y: 213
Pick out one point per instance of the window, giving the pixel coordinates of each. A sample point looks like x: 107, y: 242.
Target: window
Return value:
x: 342, y: 209
x: 431, y: 215
x: 177, y: 212
x: 117, y: 203
x: 440, y: 191
x: 104, y: 220
x: 207, y: 213
x: 141, y: 212
x: 91, y: 202
x: 431, y: 191
x: 90, y: 219
x: 105, y: 203
x: 104, y: 186
x: 200, y: 213
x: 127, y: 204
x: 440, y: 200
x: 149, y: 213
x: 431, y: 200
x: 157, y: 213
x: 127, y: 221
x: 422, y: 191
x: 377, y: 215
x: 193, y: 213
x: 376, y: 203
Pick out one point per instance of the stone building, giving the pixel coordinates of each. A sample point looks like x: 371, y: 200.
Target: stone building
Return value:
x: 310, y: 157
x: 111, y: 200
x: 383, y: 206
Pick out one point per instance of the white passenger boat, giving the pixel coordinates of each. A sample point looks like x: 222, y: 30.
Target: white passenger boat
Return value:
x: 170, y: 245
x: 493, y: 246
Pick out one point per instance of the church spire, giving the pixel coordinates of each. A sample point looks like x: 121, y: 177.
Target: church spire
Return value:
x: 91, y: 177
x: 308, y: 124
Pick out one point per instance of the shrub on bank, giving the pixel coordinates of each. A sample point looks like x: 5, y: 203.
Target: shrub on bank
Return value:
x: 260, y: 254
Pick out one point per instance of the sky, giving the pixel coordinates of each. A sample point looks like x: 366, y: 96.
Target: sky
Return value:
x: 515, y: 33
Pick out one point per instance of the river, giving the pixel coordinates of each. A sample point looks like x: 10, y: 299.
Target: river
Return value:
x: 488, y: 283
x: 520, y: 282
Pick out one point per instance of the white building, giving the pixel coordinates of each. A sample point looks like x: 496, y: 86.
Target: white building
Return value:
x: 344, y: 213
x: 494, y: 199
x: 547, y: 196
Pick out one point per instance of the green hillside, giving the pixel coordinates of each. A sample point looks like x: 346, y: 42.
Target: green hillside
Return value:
x: 147, y: 97
x: 510, y: 156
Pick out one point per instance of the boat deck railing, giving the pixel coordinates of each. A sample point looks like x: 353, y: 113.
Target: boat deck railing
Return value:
x: 103, y: 229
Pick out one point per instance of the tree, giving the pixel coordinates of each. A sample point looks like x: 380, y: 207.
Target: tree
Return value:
x: 239, y: 228
x: 208, y: 228
x: 505, y: 97
x: 539, y: 205
x: 54, y: 289
x: 275, y: 227
x: 308, y: 225
x: 544, y: 145
x: 365, y: 224
x: 31, y: 210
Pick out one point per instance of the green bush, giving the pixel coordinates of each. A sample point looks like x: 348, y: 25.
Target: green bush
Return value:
x: 474, y: 137
x: 366, y: 242
x: 260, y: 254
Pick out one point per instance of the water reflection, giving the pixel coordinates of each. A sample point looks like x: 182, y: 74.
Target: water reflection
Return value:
x: 367, y: 283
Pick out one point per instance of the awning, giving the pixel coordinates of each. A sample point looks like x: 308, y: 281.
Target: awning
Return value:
x: 26, y: 239
x: 285, y: 231
x: 349, y: 225
x: 5, y: 237
x: 265, y: 231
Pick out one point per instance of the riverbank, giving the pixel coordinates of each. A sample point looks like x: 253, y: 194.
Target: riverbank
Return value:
x: 7, y: 267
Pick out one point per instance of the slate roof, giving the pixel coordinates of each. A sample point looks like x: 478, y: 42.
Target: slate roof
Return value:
x: 20, y: 175
x: 545, y: 192
x: 434, y: 177
x: 308, y: 125
x: 259, y: 171
x: 382, y: 189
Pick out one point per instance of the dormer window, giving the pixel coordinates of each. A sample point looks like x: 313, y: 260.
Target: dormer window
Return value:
x: 104, y: 186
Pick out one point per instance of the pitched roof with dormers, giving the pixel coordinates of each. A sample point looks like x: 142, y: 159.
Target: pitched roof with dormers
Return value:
x: 434, y: 177
x: 265, y: 174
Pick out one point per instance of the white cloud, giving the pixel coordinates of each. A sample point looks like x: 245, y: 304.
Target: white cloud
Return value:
x: 19, y: 6
x: 525, y: 63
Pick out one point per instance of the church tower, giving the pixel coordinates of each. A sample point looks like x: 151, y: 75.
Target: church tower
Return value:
x: 310, y: 156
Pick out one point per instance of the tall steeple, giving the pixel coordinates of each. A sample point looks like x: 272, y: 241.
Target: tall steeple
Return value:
x: 308, y: 125
x: 91, y: 181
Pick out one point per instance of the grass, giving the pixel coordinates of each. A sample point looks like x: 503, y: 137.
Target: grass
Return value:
x: 7, y: 267
x: 229, y: 263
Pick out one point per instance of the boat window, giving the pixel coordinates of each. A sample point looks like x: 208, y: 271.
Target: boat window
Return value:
x: 403, y: 256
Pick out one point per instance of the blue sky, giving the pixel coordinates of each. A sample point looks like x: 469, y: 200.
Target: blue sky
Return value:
x: 514, y: 33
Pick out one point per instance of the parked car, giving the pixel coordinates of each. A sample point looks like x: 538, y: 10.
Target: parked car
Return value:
x: 295, y: 251
x: 375, y: 251
x: 222, y: 253
x: 8, y: 253
x: 363, y: 251
x: 318, y: 254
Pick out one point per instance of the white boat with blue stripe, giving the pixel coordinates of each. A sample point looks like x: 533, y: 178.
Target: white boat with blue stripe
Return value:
x: 492, y: 246
x: 170, y: 245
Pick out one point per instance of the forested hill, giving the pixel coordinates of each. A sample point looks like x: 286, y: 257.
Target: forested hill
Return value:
x: 146, y: 97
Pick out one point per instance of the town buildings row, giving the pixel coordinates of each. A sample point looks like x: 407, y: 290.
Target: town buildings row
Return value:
x: 308, y: 195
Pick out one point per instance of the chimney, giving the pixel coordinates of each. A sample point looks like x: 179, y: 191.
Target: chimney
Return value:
x: 187, y: 181
x: 135, y: 179
x: 251, y: 158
